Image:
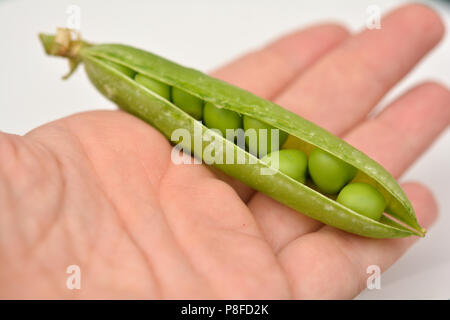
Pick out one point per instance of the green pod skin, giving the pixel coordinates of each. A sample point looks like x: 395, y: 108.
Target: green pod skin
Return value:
x: 221, y: 119
x: 364, y: 199
x: 291, y: 162
x: 253, y: 145
x: 189, y: 103
x: 122, y: 69
x: 156, y: 86
x: 329, y: 173
x: 167, y: 117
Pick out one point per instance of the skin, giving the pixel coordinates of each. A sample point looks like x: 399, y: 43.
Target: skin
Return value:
x: 98, y: 189
x: 364, y: 199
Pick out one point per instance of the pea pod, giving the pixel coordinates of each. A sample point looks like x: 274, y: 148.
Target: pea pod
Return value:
x: 304, y: 135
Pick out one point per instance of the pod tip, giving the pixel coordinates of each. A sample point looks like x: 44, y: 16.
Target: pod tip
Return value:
x: 46, y: 41
x: 423, y: 231
x: 65, y: 43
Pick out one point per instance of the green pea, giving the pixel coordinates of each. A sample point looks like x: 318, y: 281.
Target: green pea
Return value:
x: 220, y: 118
x: 127, y: 71
x: 154, y: 85
x: 291, y: 162
x: 364, y: 199
x: 189, y: 103
x: 329, y: 173
x: 253, y: 144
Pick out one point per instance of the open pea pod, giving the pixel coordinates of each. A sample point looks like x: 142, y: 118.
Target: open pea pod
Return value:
x: 167, y: 117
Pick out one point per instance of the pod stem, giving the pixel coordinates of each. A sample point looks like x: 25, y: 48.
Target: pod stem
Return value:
x: 66, y: 43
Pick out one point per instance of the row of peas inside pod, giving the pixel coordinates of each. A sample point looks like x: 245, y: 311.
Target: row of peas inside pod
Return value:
x: 328, y: 174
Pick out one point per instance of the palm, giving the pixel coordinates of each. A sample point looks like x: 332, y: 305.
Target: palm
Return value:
x: 111, y: 201
x: 99, y: 190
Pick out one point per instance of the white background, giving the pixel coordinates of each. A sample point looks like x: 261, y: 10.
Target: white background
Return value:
x: 204, y: 35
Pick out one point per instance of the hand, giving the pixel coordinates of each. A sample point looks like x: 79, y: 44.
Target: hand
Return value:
x: 98, y: 189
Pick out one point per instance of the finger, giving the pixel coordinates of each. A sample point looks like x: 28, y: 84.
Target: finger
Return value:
x: 339, y: 90
x: 266, y: 71
x: 396, y: 138
x: 333, y: 264
x: 404, y: 130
